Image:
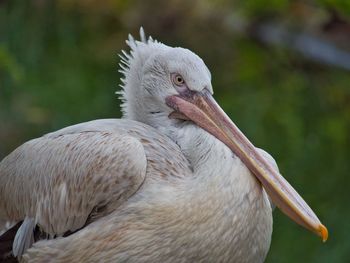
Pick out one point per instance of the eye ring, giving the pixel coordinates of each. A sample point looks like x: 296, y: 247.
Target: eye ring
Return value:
x: 178, y: 80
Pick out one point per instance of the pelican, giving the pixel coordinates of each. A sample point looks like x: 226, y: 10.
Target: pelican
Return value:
x: 174, y: 180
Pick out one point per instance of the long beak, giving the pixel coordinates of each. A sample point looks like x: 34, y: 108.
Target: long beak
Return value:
x: 202, y: 109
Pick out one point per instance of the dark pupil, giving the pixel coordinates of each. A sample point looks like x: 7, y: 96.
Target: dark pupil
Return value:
x: 179, y: 79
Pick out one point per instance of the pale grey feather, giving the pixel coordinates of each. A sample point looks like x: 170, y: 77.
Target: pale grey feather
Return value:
x: 24, y: 237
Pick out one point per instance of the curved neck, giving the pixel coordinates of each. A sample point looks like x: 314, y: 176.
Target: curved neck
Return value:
x: 205, y: 153
x: 223, y: 199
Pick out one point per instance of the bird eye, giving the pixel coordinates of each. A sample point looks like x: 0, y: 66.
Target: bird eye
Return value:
x: 178, y: 80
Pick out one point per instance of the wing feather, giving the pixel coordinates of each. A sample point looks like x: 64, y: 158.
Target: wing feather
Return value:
x: 63, y: 178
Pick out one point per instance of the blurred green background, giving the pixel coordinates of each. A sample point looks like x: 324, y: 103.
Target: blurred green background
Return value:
x: 281, y: 70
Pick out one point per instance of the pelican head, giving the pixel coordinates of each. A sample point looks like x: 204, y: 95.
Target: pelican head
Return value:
x: 164, y: 86
x: 154, y: 71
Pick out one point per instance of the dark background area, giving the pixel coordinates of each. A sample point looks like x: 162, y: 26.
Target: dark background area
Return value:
x: 281, y: 70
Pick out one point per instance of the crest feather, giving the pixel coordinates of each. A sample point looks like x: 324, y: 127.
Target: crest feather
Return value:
x: 131, y: 63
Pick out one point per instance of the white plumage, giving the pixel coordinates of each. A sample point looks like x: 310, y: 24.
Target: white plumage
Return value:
x: 152, y: 187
